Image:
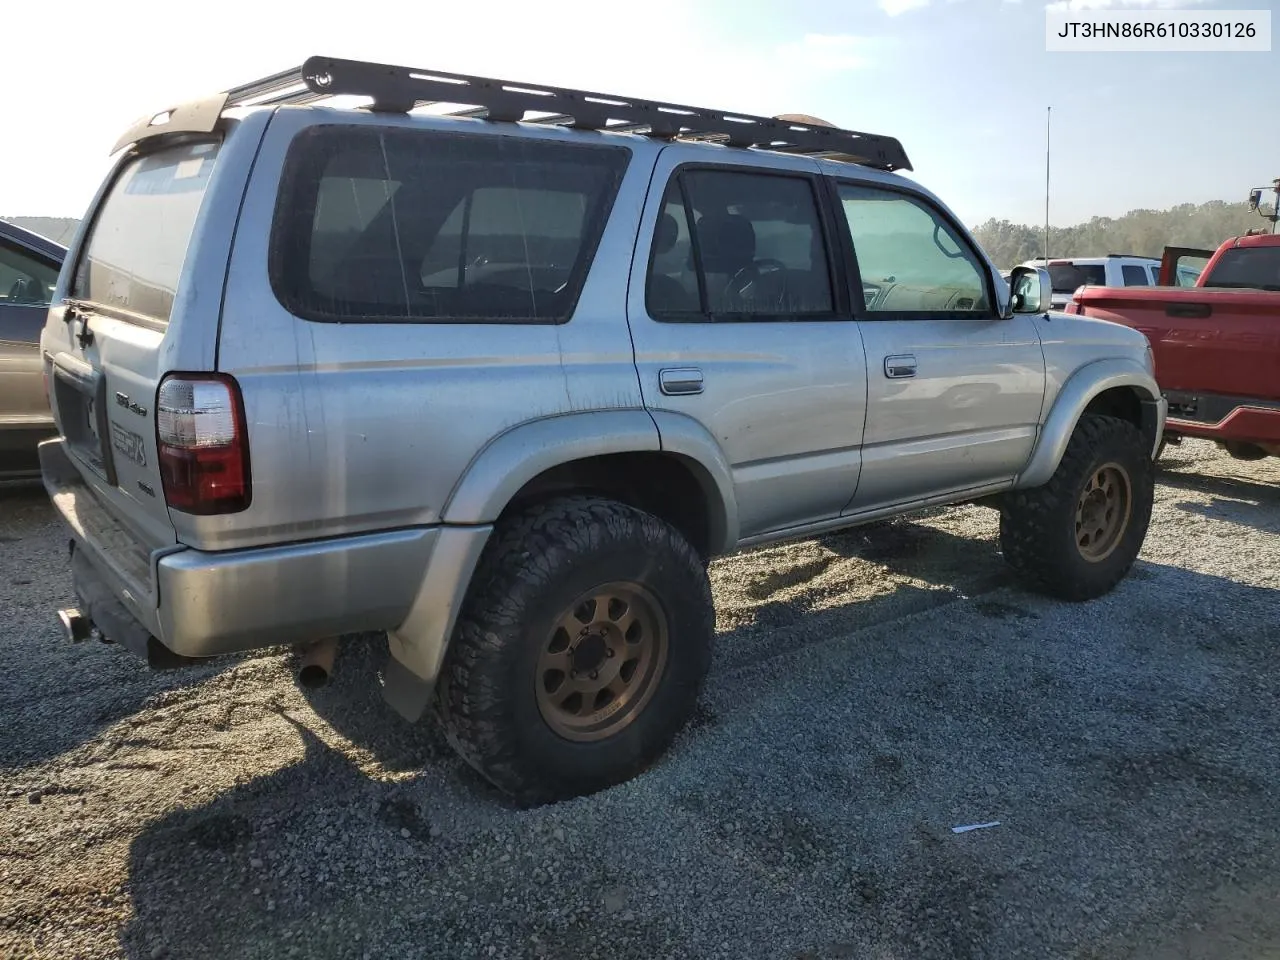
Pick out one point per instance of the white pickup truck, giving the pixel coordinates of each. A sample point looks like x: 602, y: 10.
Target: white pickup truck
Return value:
x: 1113, y: 270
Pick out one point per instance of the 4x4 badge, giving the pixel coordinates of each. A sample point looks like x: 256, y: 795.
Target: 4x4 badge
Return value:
x: 122, y: 400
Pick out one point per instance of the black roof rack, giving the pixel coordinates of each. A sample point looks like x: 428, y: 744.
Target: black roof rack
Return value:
x: 401, y: 89
x: 1132, y: 256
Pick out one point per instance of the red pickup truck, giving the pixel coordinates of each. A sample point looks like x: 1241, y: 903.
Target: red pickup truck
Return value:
x: 1216, y: 344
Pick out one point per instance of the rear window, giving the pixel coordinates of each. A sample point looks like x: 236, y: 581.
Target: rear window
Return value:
x: 1249, y: 267
x: 134, y: 254
x: 400, y: 225
x: 1068, y: 276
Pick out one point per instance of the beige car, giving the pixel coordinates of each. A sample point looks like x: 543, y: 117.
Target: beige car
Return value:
x: 29, y: 265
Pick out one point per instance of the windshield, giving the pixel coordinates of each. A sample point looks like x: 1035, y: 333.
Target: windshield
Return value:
x: 1068, y: 276
x: 1253, y: 267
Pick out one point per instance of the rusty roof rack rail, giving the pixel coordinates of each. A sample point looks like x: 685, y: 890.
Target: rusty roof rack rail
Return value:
x: 401, y: 89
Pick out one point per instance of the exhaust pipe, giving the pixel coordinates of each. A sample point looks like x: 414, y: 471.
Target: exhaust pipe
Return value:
x: 317, y: 663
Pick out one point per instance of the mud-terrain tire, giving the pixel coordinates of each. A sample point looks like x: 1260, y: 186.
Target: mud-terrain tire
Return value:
x: 1077, y: 536
x: 634, y: 653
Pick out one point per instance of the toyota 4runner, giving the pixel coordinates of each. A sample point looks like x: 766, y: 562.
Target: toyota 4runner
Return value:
x: 500, y: 378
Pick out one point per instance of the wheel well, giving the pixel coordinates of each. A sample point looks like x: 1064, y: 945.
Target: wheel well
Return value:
x: 1121, y: 402
x: 664, y: 484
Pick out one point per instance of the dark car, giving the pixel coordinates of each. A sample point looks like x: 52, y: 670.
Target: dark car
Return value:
x: 29, y: 265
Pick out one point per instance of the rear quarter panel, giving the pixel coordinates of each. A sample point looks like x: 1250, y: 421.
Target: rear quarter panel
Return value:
x: 359, y: 426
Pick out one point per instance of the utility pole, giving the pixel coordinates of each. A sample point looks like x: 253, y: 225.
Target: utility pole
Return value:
x: 1048, y: 119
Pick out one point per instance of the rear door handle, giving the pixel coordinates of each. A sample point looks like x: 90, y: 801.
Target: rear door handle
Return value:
x: 900, y: 367
x: 680, y: 381
x: 1189, y: 311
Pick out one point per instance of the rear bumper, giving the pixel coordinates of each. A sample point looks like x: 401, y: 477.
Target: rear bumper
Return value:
x: 201, y: 604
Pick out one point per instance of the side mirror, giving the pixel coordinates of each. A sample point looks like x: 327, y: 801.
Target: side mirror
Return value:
x: 1255, y: 199
x: 1030, y: 290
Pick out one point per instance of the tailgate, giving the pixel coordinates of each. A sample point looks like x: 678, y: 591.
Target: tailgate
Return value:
x: 1205, y: 340
x: 116, y: 332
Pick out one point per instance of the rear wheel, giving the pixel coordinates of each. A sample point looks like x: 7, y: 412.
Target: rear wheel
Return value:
x: 580, y: 651
x: 1077, y: 536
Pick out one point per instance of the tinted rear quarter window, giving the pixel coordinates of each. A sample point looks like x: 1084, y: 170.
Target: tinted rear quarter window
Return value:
x: 1068, y: 276
x: 134, y: 253
x: 407, y: 225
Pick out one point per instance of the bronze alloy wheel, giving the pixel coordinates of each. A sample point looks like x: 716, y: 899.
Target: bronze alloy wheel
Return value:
x: 602, y: 661
x: 1103, y: 511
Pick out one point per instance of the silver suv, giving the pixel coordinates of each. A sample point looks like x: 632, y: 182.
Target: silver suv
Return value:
x: 502, y: 384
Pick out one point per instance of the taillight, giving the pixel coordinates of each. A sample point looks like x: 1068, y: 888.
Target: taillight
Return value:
x: 202, y: 444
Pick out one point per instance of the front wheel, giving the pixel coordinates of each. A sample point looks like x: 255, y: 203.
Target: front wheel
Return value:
x: 1077, y: 536
x: 580, y: 650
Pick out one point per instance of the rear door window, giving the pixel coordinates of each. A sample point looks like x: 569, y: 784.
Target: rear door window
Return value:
x: 1135, y: 275
x: 755, y: 251
x: 138, y: 243
x: 402, y: 225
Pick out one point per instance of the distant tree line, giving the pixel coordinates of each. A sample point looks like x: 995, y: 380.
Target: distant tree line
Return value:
x: 1141, y: 232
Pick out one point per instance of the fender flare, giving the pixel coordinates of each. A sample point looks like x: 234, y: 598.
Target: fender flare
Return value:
x: 693, y: 443
x: 1081, y: 387
x: 513, y: 458
x: 517, y: 455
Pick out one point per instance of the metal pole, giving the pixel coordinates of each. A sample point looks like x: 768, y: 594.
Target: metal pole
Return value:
x: 1047, y: 121
x: 1275, y: 211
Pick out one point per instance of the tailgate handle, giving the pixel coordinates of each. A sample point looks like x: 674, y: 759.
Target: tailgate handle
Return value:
x: 1188, y: 310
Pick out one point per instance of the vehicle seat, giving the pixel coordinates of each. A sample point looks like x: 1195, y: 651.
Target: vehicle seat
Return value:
x: 727, y: 245
x: 665, y: 293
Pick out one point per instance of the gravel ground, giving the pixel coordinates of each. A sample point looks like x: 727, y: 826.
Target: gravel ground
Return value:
x: 870, y: 691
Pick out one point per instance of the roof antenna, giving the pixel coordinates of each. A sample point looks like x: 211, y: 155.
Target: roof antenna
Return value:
x: 1048, y: 118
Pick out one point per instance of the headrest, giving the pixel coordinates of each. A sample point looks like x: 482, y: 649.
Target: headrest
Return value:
x: 665, y: 236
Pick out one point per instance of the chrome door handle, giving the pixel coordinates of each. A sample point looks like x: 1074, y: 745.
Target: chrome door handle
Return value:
x: 680, y: 381
x: 900, y: 367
